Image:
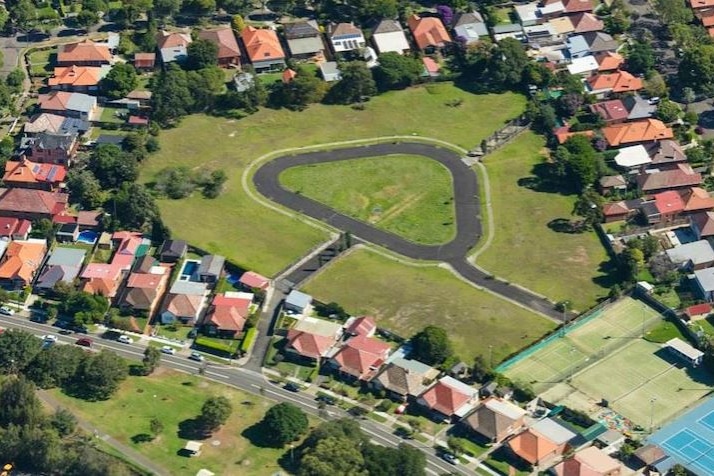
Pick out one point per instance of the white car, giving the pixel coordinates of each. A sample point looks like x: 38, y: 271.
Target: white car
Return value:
x: 6, y: 311
x: 125, y: 340
x: 49, y: 338
x: 168, y: 350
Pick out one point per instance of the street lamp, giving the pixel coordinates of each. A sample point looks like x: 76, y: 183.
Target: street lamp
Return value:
x: 652, y: 402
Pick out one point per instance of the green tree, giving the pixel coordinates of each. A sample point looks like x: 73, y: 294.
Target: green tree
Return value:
x: 633, y: 260
x: 17, y: 349
x: 583, y: 160
x: 23, y: 14
x: 156, y: 427
x: 120, y: 81
x: 284, y: 423
x: 199, y: 7
x: 481, y: 370
x: 4, y: 18
x: 356, y: 84
x: 98, y: 378
x: 112, y: 166
x: 303, y: 90
x: 84, y: 189
x: 18, y: 403
x: 674, y: 11
x: 205, y: 85
x: 166, y: 8
x: 331, y: 456
x: 87, y: 18
x: 64, y: 422
x: 56, y: 366
x: 542, y: 116
x: 215, y: 412
x: 171, y: 98
x: 370, y: 9
x: 455, y: 445
x: 202, y: 54
x: 175, y: 182
x: 151, y: 360
x: 94, y: 5
x: 696, y: 70
x: 589, y: 206
x: 668, y: 111
x: 238, y: 23
x: 431, y: 345
x: 133, y: 207
x: 509, y: 63
x: 396, y: 71
x: 213, y: 186
x: 15, y: 79
x: 403, y: 460
x: 640, y: 57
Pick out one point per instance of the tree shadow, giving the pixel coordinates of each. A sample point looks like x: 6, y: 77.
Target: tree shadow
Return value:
x: 142, y: 438
x: 706, y: 119
x: 564, y: 225
x: 611, y: 274
x: 192, y: 429
x: 543, y: 180
x: 258, y: 436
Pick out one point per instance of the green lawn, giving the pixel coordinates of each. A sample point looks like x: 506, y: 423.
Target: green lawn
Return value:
x: 405, y: 298
x: 409, y: 195
x: 40, y: 61
x: 524, y: 249
x: 262, y: 239
x: 110, y: 115
x: 664, y: 332
x: 176, y: 399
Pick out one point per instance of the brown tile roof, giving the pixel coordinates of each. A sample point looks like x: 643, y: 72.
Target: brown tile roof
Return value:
x: 29, y: 201
x: 183, y: 305
x: 697, y: 199
x: 696, y: 4
x: 616, y: 208
x: 636, y: 131
x: 310, y: 345
x: 76, y: 76
x: 84, y: 51
x: 706, y: 17
x: 22, y: 259
x: 172, y: 40
x: 669, y: 179
x: 613, y: 110
x: 428, y: 31
x: 444, y: 398
x: 229, y: 313
x: 261, y: 44
x: 609, y: 61
x: 251, y: 280
x: 590, y: 461
x: 344, y: 29
x: 225, y: 39
x: 575, y: 6
x: 705, y: 223
x: 586, y: 21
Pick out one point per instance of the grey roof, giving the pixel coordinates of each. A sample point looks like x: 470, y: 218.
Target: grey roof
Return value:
x: 243, y: 81
x: 81, y: 102
x: 46, y: 141
x: 470, y: 26
x: 696, y: 253
x: 67, y: 257
x: 329, y: 68
x: 344, y: 30
x: 110, y: 139
x: 638, y: 107
x: 706, y: 279
x: 211, y: 265
x: 599, y: 41
x: 54, y: 274
x: 613, y: 181
x: 174, y: 247
x: 144, y: 264
x: 191, y: 288
x: 298, y: 299
x: 666, y: 151
x: 301, y: 29
x: 577, y: 45
x: 303, y: 46
x: 507, y: 28
x: 176, y: 53
x: 552, y: 430
x: 468, y: 18
x: 649, y: 208
x: 387, y: 26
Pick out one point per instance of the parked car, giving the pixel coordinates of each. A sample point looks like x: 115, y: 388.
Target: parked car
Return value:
x: 84, y: 342
x: 327, y: 399
x: 196, y: 356
x: 49, y: 338
x: 6, y: 311
x: 292, y: 387
x: 192, y: 333
x: 449, y: 457
x: 125, y: 339
x: 79, y: 329
x: 167, y: 349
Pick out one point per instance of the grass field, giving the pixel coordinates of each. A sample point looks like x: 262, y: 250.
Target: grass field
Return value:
x: 524, y: 249
x: 261, y: 239
x: 409, y: 195
x: 584, y: 343
x: 404, y: 299
x: 175, y: 399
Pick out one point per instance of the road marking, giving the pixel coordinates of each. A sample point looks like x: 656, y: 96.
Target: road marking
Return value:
x: 217, y: 375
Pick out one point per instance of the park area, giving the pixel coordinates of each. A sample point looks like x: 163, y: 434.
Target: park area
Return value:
x: 603, y: 357
x: 408, y: 195
x: 525, y: 250
x: 175, y: 400
x: 259, y: 238
x: 405, y: 298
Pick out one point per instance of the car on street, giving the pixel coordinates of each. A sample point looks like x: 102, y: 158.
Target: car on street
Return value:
x: 84, y: 342
x: 79, y: 329
x: 327, y: 399
x: 6, y: 311
x: 125, y: 339
x: 49, y: 338
x: 196, y: 356
x: 449, y: 457
x: 292, y: 387
x: 168, y: 350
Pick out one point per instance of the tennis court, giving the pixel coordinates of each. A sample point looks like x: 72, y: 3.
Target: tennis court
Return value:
x: 689, y: 440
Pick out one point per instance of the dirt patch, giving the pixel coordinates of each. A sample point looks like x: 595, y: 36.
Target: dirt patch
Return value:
x: 579, y: 255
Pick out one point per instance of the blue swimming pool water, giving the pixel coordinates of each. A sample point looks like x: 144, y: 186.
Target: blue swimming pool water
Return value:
x: 88, y: 237
x: 685, y: 235
x: 189, y: 268
x: 232, y: 278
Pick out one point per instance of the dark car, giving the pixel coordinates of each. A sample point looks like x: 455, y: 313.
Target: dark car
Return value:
x: 327, y: 399
x: 79, y: 329
x: 39, y: 318
x: 84, y: 342
x: 292, y: 387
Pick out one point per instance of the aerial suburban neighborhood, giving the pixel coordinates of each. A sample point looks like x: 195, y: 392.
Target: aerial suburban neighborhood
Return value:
x: 376, y: 237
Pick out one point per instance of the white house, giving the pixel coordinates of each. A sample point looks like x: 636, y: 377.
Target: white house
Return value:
x: 330, y: 72
x: 585, y: 66
x: 471, y: 27
x: 389, y: 37
x: 346, y: 37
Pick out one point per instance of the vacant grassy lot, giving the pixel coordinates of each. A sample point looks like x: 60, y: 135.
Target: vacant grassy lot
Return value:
x: 405, y: 298
x: 409, y: 195
x: 175, y: 399
x: 262, y: 239
x: 525, y: 250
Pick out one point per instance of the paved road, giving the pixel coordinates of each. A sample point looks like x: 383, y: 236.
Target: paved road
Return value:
x: 245, y: 380
x: 466, y: 203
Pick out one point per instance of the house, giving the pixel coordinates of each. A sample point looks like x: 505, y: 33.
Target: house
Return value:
x: 612, y: 111
x: 538, y: 35
x: 429, y: 33
x: 584, y: 66
x: 172, y: 251
x: 696, y: 199
x: 702, y: 224
x: 698, y: 311
x: 388, y: 37
x: 528, y: 14
x: 68, y: 232
x: 89, y: 219
x: 263, y: 48
x: 49, y: 148
x: 666, y: 154
x: 227, y: 314
x: 360, y: 326
x: 77, y: 78
x: 636, y: 132
x: 684, y: 351
x: 404, y: 379
x: 561, y: 26
x: 612, y: 183
x: 144, y: 61
x: 609, y: 61
x: 304, y: 39
x: 228, y: 51
x: 144, y: 290
x: 586, y: 22
x: 680, y: 178
x: 251, y: 280
x: 551, y: 10
x: 31, y: 204
x: 184, y: 303
x: 297, y: 302
x: 84, y: 53
x: 330, y: 72
x: 577, y: 6
x: 312, y: 339
x: 541, y: 443
x: 599, y: 42
x: 692, y: 256
x: 449, y: 398
x: 649, y: 455
x: 210, y: 268
x: 55, y: 124
x: 638, y: 107
x: 590, y: 461
x: 495, y: 419
x: 345, y: 37
x: 63, y: 265
x: 431, y: 68
x: 173, y: 46
x: 470, y: 27
x: 604, y: 84
x: 101, y: 278
x: 23, y: 173
x: 669, y: 206
x: 699, y: 4
x: 14, y: 228
x: 577, y: 47
x: 21, y: 262
x: 632, y: 157
x: 360, y: 357
x: 78, y: 105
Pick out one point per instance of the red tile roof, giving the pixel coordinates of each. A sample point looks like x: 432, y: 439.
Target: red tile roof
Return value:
x: 76, y: 76
x: 25, y: 171
x: 37, y: 202
x: 362, y: 356
x: 698, y: 310
x: 697, y: 199
x: 252, y: 280
x: 532, y: 446
x: 616, y: 208
x: 564, y: 133
x: 445, y: 399
x: 637, y: 131
x: 229, y: 313
x: 288, y: 75
x: 586, y: 21
x: 22, y: 259
x: 706, y: 17
x: 669, y: 202
x: 618, y: 82
x: 364, y: 326
x: 575, y: 6
x: 172, y: 40
x: 309, y: 345
x: 224, y: 39
x: 428, y: 31
x: 613, y: 110
x: 262, y: 44
x: 83, y: 52
x: 609, y: 61
x: 696, y: 4
x: 13, y: 226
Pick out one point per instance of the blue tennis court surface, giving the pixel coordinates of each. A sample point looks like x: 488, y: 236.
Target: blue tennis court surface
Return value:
x: 689, y: 440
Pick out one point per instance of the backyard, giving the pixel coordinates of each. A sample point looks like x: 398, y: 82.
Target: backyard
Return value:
x: 259, y: 238
x: 525, y: 250
x: 406, y: 298
x: 175, y: 399
x: 408, y: 195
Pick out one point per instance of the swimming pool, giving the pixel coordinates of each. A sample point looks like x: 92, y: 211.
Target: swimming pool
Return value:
x: 88, y: 237
x: 189, y: 269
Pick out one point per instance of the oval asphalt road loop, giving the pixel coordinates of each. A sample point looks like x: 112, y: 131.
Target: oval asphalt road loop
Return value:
x: 467, y: 209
